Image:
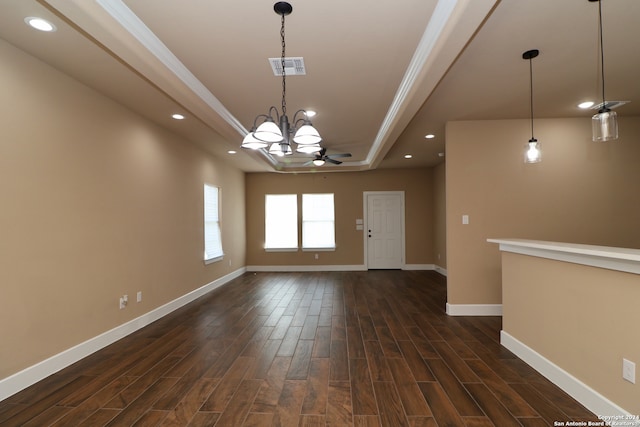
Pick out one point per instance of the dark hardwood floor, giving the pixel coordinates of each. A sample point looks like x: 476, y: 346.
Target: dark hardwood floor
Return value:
x: 304, y: 349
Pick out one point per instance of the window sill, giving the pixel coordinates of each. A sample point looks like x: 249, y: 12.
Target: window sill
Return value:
x: 212, y: 260
x: 319, y: 249
x: 281, y: 249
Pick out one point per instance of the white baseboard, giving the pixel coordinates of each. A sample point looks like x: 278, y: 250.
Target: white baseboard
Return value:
x: 419, y: 267
x: 590, y: 398
x: 441, y: 270
x: 474, y: 309
x: 31, y: 375
x: 304, y: 268
x: 307, y: 268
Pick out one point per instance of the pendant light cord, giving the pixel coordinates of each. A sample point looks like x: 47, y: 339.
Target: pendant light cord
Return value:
x: 604, y: 105
x: 531, y: 93
x: 284, y: 74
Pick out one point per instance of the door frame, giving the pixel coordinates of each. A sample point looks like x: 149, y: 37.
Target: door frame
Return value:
x: 365, y: 210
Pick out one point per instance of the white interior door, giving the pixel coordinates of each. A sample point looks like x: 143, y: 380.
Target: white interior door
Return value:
x: 384, y: 230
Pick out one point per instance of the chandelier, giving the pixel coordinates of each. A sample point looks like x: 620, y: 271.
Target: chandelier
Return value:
x: 275, y: 131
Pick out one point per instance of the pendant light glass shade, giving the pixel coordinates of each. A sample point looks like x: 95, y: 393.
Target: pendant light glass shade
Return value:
x: 533, y: 151
x: 318, y: 162
x: 604, y: 126
x: 268, y: 132
x: 307, y: 135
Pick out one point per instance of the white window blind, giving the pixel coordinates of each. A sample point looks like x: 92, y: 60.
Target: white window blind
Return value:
x: 281, y: 221
x: 212, y: 233
x: 318, y: 221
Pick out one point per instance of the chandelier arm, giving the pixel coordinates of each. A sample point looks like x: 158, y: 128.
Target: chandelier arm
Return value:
x: 296, y: 119
x: 255, y: 121
x: 277, y: 114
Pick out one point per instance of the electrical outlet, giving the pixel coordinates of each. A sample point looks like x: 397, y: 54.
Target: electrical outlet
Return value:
x: 139, y: 296
x: 123, y: 302
x: 316, y: 256
x: 629, y: 371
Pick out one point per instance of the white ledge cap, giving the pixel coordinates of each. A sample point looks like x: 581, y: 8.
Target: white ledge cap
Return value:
x: 621, y: 259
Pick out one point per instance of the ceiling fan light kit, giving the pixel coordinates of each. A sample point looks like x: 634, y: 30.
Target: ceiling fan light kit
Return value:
x: 322, y: 157
x: 275, y: 129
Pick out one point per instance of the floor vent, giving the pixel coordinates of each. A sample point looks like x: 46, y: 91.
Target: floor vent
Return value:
x: 293, y: 66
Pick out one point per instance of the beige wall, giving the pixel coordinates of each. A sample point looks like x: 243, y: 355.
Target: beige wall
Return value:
x: 582, y: 192
x: 96, y: 202
x: 440, y: 215
x: 348, y: 188
x: 579, y: 318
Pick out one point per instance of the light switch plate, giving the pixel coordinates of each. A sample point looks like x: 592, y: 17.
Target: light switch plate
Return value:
x: 629, y: 371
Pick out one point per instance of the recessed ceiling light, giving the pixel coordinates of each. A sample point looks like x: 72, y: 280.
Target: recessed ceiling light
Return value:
x: 178, y: 116
x: 408, y: 156
x: 232, y: 152
x: 310, y: 113
x: 430, y: 136
x: 39, y: 24
x: 585, y: 105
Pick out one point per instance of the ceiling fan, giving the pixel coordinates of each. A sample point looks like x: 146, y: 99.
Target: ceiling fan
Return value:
x: 321, y: 157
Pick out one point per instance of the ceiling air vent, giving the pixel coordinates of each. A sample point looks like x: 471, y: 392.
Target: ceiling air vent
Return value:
x: 610, y: 105
x: 292, y: 66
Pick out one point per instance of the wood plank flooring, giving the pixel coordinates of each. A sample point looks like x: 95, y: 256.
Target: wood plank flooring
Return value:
x: 303, y: 349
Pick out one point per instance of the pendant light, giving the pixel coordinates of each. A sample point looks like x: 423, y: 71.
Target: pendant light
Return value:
x: 533, y: 149
x: 604, y: 125
x: 275, y: 131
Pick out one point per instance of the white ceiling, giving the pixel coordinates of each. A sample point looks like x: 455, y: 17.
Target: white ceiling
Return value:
x: 379, y: 76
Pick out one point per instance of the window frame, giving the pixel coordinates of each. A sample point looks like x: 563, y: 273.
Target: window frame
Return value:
x: 217, y: 255
x: 292, y: 220
x: 308, y: 221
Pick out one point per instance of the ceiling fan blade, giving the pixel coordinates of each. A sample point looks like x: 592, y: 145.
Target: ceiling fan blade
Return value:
x: 330, y: 160
x: 338, y: 155
x: 309, y: 163
x: 322, y: 152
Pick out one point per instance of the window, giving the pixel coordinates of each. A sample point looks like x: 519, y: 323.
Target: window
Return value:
x: 212, y: 233
x: 281, y: 222
x: 318, y: 221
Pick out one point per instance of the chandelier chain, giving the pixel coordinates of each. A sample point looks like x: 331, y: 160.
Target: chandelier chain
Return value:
x: 284, y: 74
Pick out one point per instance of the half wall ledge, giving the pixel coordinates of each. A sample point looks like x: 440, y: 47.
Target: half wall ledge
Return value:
x: 569, y: 311
x: 611, y: 258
